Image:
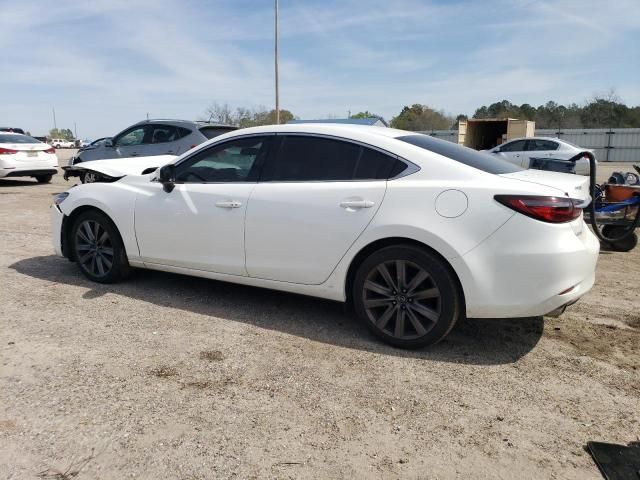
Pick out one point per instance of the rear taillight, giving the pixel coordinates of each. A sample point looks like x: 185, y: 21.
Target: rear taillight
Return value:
x: 7, y: 151
x: 50, y: 150
x: 546, y: 209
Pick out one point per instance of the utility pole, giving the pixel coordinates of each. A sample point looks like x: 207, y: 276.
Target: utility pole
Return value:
x: 75, y: 131
x: 276, y: 67
x: 55, y: 126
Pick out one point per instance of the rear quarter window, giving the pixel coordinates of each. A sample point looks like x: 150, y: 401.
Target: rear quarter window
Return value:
x: 212, y: 132
x: 467, y: 156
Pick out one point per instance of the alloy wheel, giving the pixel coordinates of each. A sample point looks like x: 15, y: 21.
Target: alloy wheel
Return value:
x: 94, y: 248
x: 401, y: 299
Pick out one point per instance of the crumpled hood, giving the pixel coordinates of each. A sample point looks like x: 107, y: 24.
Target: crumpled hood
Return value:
x: 120, y: 167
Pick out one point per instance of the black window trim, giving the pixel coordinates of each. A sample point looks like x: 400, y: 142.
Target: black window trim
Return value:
x: 258, y: 167
x: 411, y: 167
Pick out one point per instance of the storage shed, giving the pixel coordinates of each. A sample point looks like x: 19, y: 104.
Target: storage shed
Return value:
x: 486, y: 133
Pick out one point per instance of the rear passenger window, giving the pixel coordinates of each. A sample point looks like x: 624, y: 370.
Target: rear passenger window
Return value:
x: 375, y: 165
x: 313, y: 159
x: 301, y: 158
x: 182, y: 132
x: 542, y: 145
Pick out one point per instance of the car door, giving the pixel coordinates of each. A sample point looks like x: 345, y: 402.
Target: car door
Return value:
x: 513, y: 152
x: 200, y: 223
x: 315, y: 197
x: 130, y: 142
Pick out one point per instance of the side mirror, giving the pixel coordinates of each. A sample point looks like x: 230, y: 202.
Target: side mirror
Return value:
x: 167, y: 177
x: 108, y: 143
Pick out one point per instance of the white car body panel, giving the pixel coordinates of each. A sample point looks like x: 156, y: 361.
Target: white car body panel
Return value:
x: 297, y: 238
x: 199, y: 219
x: 297, y: 232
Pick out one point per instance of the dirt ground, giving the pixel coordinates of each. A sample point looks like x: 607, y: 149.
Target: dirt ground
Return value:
x: 170, y: 377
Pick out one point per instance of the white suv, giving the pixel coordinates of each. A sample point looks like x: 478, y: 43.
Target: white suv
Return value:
x: 61, y: 143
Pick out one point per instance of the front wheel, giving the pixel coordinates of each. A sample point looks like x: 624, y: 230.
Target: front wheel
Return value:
x: 98, y: 248
x: 44, y: 178
x: 407, y: 296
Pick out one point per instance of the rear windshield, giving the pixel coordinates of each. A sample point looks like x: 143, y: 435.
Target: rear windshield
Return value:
x: 482, y: 161
x: 212, y: 132
x: 11, y: 138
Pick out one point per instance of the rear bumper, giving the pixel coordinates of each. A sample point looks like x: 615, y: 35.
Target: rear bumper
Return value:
x: 526, y: 270
x: 27, y: 172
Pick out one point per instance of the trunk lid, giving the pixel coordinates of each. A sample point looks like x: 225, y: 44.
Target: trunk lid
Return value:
x: 28, y: 152
x: 573, y: 186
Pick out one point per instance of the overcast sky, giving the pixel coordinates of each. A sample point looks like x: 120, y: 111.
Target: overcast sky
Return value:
x: 106, y: 64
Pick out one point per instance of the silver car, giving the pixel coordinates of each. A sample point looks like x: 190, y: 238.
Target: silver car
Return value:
x: 527, y: 152
x: 152, y: 137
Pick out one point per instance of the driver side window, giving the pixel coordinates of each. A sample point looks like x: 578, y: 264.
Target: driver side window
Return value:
x: 134, y: 136
x: 234, y: 161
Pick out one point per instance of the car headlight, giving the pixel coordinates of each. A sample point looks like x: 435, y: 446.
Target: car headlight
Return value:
x: 60, y: 197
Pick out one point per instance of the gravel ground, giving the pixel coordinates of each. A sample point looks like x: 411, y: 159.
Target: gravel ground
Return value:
x: 182, y: 378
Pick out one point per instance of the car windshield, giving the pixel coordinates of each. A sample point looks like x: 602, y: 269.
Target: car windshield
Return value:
x: 473, y: 158
x: 16, y: 138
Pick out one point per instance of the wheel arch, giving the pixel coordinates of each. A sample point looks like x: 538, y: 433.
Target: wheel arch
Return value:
x: 376, y: 245
x: 69, y: 220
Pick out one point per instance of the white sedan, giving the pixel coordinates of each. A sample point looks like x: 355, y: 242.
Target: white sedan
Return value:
x: 415, y: 232
x: 536, y: 152
x: 23, y: 156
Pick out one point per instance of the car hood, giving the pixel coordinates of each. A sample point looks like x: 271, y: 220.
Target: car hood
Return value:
x: 574, y: 186
x: 117, y: 168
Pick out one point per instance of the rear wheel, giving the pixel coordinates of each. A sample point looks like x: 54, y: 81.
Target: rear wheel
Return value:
x: 44, y: 178
x: 406, y: 296
x: 98, y: 248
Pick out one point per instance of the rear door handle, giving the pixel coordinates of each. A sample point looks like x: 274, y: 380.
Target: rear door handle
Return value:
x: 357, y: 204
x: 229, y: 204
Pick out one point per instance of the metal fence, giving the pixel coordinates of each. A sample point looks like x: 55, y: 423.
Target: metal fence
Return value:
x: 609, y: 144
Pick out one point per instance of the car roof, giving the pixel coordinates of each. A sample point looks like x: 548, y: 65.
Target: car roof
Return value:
x: 178, y: 122
x: 337, y: 129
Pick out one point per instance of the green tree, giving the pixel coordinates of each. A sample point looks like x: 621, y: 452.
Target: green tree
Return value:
x: 367, y: 114
x: 244, y: 117
x: 61, y: 133
x: 421, y: 117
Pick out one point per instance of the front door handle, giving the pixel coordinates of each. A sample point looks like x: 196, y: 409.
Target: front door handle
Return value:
x: 357, y: 204
x: 229, y: 204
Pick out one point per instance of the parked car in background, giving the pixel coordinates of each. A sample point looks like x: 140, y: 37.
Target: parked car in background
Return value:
x: 12, y: 130
x: 62, y: 143
x: 24, y: 156
x: 152, y: 137
x: 408, y: 228
x: 520, y: 151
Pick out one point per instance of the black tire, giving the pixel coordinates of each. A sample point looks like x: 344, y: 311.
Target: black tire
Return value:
x: 57, y: 146
x: 411, y: 313
x: 626, y: 244
x: 44, y: 178
x: 97, y: 248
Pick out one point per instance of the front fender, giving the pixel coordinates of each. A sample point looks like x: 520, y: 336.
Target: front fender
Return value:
x: 116, y: 200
